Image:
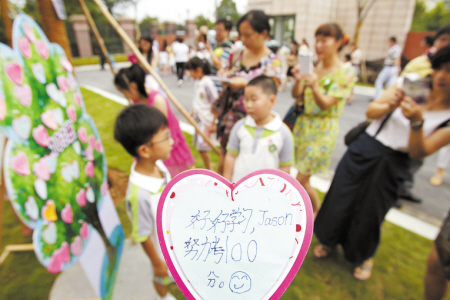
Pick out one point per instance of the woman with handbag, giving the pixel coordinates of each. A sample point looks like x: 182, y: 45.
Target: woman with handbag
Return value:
x: 367, y: 178
x: 323, y: 93
x: 254, y: 60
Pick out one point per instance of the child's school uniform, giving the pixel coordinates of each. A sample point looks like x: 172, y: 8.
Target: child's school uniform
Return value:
x: 205, y: 93
x: 142, y: 199
x: 267, y: 147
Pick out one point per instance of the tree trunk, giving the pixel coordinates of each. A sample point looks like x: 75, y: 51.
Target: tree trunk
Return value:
x: 53, y: 27
x: 7, y: 24
x: 357, y: 30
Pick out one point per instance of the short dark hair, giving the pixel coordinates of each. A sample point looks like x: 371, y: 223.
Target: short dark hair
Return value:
x: 331, y: 30
x: 258, y: 20
x: 179, y: 39
x: 440, y: 57
x: 393, y: 39
x: 197, y: 62
x: 266, y: 83
x: 226, y: 23
x: 443, y: 30
x: 136, y: 125
x: 135, y: 74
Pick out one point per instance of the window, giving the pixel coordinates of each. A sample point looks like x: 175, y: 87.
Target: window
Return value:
x: 282, y: 29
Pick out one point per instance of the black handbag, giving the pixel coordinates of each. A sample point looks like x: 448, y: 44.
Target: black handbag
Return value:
x: 354, y: 133
x: 292, y: 115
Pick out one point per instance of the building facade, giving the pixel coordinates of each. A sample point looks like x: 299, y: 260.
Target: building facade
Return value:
x: 299, y: 19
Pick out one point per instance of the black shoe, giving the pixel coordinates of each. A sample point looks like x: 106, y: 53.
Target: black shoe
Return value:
x: 410, y: 197
x: 397, y: 204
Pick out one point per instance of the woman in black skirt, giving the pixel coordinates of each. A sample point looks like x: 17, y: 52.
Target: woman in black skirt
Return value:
x: 367, y: 178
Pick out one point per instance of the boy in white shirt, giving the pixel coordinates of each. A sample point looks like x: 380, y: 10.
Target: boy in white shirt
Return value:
x: 144, y: 132
x: 261, y: 140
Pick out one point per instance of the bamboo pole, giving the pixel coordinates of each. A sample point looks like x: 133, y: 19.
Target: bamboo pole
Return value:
x: 149, y: 69
x: 97, y: 35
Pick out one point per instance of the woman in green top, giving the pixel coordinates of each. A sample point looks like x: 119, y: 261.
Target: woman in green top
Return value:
x: 323, y: 92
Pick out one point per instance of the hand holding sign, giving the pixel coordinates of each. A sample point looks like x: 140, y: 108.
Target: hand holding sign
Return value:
x: 221, y: 241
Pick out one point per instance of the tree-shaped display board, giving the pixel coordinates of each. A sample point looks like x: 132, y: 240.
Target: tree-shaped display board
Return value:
x: 54, y: 163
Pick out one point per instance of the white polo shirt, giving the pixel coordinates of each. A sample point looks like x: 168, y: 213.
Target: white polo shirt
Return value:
x: 266, y: 147
x: 142, y: 200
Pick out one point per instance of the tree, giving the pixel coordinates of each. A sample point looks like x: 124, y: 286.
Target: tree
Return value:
x: 201, y: 20
x: 364, y: 7
x: 54, y: 27
x: 227, y: 9
x: 146, y: 24
x: 430, y: 20
x: 6, y: 21
x: 419, y: 18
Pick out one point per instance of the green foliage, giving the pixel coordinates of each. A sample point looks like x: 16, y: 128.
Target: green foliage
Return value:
x: 227, y: 9
x: 146, y: 24
x: 430, y: 20
x: 111, y: 38
x: 201, y: 20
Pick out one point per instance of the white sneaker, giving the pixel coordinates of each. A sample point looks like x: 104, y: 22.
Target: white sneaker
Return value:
x: 180, y: 82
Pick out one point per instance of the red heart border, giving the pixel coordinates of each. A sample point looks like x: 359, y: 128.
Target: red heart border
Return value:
x: 301, y: 255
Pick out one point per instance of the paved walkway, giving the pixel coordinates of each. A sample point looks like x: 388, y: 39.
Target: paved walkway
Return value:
x: 134, y: 279
x: 133, y: 282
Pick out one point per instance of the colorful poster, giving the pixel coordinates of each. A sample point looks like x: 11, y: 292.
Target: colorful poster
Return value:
x: 234, y: 241
x: 54, y: 163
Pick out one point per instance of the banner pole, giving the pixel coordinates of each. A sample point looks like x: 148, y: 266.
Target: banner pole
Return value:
x: 146, y: 66
x: 97, y: 35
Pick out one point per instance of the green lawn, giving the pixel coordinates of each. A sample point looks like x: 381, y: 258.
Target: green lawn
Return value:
x: 95, y: 60
x: 398, y: 271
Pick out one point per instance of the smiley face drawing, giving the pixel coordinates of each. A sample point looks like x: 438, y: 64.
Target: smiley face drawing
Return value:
x: 240, y: 282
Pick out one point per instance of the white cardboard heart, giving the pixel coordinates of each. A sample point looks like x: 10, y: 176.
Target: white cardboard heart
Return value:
x: 240, y: 241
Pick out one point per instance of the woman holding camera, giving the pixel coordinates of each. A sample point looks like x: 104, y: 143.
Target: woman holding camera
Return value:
x: 367, y: 178
x: 323, y: 92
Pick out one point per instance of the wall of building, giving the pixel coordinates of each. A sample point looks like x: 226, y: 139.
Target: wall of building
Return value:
x: 385, y: 19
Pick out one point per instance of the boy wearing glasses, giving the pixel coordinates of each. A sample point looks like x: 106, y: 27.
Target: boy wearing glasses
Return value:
x: 144, y: 133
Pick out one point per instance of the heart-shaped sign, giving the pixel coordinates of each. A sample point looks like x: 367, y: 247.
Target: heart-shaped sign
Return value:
x: 24, y: 94
x: 55, y: 94
x: 66, y: 64
x: 234, y: 241
x: 29, y: 32
x: 22, y: 127
x: 49, y: 119
x: 40, y: 135
x: 42, y: 49
x: 39, y: 73
x: 24, y: 46
x: 14, y: 72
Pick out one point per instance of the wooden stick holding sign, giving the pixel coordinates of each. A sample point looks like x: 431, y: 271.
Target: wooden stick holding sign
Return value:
x: 97, y: 35
x: 146, y: 66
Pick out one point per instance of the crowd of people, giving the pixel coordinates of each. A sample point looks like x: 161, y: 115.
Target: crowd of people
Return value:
x: 236, y: 88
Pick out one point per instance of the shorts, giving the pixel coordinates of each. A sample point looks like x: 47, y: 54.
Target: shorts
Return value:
x: 442, y: 243
x: 199, y: 141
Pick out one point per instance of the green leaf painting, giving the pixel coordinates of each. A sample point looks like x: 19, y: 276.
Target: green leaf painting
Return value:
x: 54, y: 162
